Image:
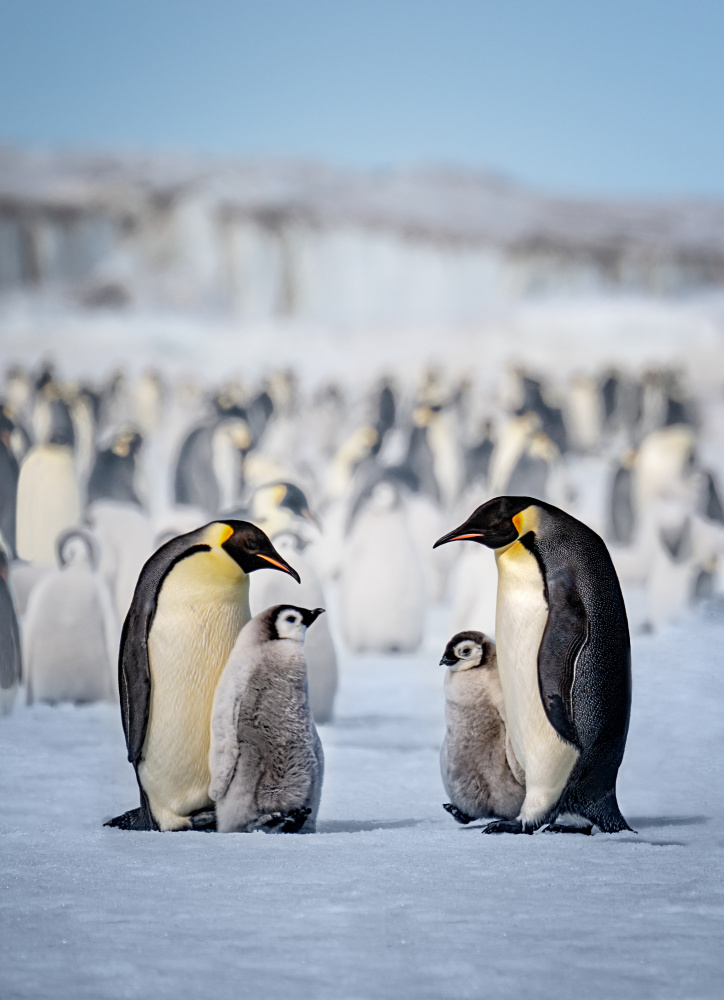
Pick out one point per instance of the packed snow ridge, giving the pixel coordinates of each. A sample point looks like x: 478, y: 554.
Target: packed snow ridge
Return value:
x: 256, y: 239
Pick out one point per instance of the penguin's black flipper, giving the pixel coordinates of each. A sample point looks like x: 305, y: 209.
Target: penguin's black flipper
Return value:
x: 457, y: 814
x: 506, y: 826
x: 564, y: 637
x: 134, y: 672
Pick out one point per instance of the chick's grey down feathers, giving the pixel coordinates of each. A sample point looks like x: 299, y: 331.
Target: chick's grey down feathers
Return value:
x: 266, y: 757
x: 474, y: 762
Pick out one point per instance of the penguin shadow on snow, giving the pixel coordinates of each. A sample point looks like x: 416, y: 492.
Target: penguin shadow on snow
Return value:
x: 364, y: 826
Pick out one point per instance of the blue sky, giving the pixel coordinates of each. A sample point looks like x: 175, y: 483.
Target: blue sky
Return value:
x: 611, y: 97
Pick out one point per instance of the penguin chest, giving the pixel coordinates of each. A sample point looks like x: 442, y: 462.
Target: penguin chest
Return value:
x: 521, y: 617
x: 193, y: 633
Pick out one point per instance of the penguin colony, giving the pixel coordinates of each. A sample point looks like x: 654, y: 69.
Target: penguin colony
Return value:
x: 105, y: 485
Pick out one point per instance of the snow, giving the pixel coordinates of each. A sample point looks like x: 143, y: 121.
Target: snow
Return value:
x: 391, y: 898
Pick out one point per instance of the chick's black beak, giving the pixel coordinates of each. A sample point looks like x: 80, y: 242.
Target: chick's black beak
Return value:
x: 311, y: 616
x: 448, y: 661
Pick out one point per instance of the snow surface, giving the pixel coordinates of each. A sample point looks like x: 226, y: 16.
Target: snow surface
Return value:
x: 391, y: 898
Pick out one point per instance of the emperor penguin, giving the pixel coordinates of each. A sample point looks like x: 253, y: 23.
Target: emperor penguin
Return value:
x: 382, y: 586
x: 190, y: 603
x: 479, y: 771
x: 69, y: 629
x: 564, y: 659
x: 9, y: 471
x: 266, y: 758
x: 48, y: 496
x: 113, y: 476
x: 11, y: 664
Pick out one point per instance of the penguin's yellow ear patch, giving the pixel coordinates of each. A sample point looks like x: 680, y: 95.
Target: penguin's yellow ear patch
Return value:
x: 226, y: 532
x: 525, y: 521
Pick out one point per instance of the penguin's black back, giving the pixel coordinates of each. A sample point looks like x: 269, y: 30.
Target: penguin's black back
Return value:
x: 112, y: 478
x: 195, y: 481
x: 10, y: 656
x: 584, y: 660
x: 9, y: 473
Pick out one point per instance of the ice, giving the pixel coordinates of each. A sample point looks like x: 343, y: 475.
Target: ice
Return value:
x: 391, y: 898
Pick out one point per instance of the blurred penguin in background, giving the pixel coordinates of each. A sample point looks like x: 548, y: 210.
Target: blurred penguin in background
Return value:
x: 382, y: 591
x: 114, y: 472
x: 126, y: 540
x: 209, y: 471
x: 266, y: 759
x: 69, y: 630
x: 11, y: 668
x: 48, y: 493
x: 9, y: 472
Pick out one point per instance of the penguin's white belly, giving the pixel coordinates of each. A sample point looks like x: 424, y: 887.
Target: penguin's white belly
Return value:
x: 191, y: 637
x: 521, y: 618
x: 66, y: 647
x: 382, y: 587
x: 48, y: 502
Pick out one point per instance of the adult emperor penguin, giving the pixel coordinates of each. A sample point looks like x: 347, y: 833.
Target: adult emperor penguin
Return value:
x: 191, y: 602
x: 564, y: 659
x: 479, y: 770
x: 266, y: 759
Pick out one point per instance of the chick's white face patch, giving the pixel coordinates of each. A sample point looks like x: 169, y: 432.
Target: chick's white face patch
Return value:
x: 290, y: 625
x: 469, y: 654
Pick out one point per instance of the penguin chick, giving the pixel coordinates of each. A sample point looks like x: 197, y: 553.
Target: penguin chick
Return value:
x: 266, y: 759
x: 479, y: 771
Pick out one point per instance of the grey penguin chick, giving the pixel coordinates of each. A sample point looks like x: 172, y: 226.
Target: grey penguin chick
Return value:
x: 266, y: 758
x: 479, y: 770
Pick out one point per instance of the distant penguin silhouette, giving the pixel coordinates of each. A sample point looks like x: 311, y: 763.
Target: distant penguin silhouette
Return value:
x: 479, y: 770
x: 69, y: 629
x: 382, y: 593
x: 125, y: 535
x: 9, y: 472
x: 11, y: 667
x: 266, y: 760
x: 622, y: 512
x: 113, y: 476
x: 209, y: 468
x: 48, y: 496
x: 268, y: 589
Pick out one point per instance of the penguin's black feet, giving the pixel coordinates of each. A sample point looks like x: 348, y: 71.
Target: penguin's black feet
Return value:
x: 568, y: 828
x: 287, y: 822
x: 457, y: 814
x: 505, y: 826
x: 131, y: 820
x: 204, y: 820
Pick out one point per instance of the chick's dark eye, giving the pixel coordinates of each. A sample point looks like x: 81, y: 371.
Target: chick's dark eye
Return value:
x: 290, y: 618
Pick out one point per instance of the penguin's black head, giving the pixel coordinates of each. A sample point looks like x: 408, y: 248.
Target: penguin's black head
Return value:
x: 493, y: 524
x: 287, y: 621
x: 295, y: 501
x: 127, y: 443
x: 251, y: 549
x: 467, y: 650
